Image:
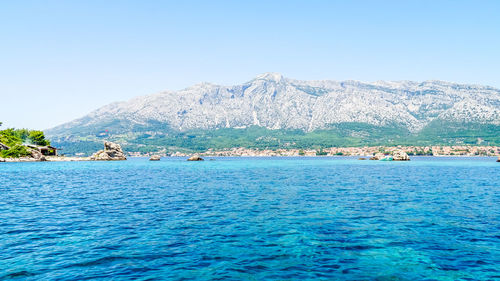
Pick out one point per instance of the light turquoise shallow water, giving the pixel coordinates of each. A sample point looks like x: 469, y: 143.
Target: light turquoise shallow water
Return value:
x: 251, y: 219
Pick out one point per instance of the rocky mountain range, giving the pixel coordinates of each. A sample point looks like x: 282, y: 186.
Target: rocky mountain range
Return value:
x: 275, y: 102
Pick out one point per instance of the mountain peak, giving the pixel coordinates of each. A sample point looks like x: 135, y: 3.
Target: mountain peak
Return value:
x: 270, y: 76
x: 202, y: 85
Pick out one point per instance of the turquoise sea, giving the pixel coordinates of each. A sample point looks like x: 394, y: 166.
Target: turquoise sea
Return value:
x: 323, y: 218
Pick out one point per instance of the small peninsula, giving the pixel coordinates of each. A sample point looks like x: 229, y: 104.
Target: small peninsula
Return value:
x: 23, y: 145
x: 28, y: 145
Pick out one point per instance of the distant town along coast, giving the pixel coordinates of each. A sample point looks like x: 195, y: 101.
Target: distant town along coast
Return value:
x: 459, y: 150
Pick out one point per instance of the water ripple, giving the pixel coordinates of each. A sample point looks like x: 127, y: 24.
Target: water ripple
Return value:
x: 251, y: 219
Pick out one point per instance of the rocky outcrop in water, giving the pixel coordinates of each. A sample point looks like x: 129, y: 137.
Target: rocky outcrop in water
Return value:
x: 195, y: 158
x: 155, y: 158
x: 400, y: 156
x: 396, y: 156
x: 112, y: 151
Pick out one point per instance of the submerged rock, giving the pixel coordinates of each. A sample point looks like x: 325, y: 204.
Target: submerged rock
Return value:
x: 361, y: 158
x: 195, y: 158
x: 400, y: 156
x: 498, y: 160
x: 155, y: 158
x: 112, y: 151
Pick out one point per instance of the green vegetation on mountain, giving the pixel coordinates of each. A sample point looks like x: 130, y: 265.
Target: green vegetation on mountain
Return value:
x: 451, y: 133
x: 15, y: 138
x: 338, y: 135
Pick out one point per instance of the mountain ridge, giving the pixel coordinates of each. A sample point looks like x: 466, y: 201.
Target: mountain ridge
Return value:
x: 274, y: 102
x: 346, y: 97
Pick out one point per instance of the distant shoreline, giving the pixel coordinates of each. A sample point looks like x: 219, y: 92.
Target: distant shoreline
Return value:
x: 456, y: 150
x: 87, y: 159
x: 434, y: 151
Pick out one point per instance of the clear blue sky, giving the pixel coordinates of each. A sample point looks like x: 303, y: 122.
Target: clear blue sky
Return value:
x: 61, y: 59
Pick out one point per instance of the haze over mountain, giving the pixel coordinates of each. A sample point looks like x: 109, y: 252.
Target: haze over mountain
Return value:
x: 275, y: 102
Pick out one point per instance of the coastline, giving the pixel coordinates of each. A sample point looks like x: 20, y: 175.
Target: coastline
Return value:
x: 88, y: 159
x: 367, y: 151
x: 111, y: 152
x: 47, y: 159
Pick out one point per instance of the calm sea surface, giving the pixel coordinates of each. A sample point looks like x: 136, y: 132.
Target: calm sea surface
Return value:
x: 251, y: 219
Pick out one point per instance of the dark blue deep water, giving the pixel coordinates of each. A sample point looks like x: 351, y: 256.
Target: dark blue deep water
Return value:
x: 251, y: 219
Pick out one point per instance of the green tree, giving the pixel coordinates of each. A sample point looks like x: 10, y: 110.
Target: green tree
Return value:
x: 321, y: 152
x: 38, y: 138
x: 22, y: 134
x: 10, y: 137
x: 15, y: 152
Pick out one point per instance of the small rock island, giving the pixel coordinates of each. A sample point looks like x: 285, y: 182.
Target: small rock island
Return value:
x: 396, y: 156
x: 111, y: 152
x: 195, y: 158
x: 155, y: 158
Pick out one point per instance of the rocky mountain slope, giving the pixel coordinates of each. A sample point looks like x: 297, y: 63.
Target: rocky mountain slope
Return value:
x: 275, y: 102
